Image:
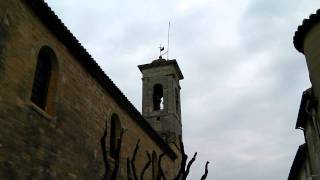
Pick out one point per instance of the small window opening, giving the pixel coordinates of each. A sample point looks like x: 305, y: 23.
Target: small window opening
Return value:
x: 158, y: 101
x: 41, y: 81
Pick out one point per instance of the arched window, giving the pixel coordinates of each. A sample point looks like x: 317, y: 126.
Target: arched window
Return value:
x: 155, y: 171
x: 115, y: 134
x: 45, y: 78
x: 158, y: 97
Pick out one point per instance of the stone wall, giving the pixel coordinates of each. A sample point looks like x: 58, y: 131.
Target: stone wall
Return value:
x: 166, y: 121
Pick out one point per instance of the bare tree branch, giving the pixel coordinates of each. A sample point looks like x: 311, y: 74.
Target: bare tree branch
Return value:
x: 161, y: 174
x: 146, y: 166
x: 206, y: 172
x: 131, y: 169
x: 134, y: 172
x: 129, y: 175
x: 184, y: 176
x: 117, y: 157
x: 105, y: 153
x: 183, y: 160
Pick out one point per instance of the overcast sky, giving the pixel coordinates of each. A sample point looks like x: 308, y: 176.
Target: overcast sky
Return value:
x: 243, y: 77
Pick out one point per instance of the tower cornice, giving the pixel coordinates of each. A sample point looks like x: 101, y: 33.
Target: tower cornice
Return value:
x: 303, y: 30
x: 162, y: 62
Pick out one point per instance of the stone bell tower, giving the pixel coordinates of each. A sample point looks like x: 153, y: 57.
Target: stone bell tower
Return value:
x: 161, y: 105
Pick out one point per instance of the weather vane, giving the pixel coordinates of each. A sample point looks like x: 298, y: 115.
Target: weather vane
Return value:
x: 161, y: 48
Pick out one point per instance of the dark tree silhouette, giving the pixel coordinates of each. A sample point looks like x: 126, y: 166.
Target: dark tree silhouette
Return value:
x: 146, y: 166
x: 134, y: 172
x: 186, y: 173
x: 105, y: 153
x: 184, y: 159
x: 161, y: 173
x: 206, y: 172
x: 117, y: 157
x: 131, y: 168
x: 183, y: 171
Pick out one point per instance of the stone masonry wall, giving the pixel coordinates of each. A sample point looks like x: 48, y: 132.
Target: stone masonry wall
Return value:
x: 167, y: 121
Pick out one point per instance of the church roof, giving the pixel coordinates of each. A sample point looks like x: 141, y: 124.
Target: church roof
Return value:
x: 303, y: 29
x: 62, y: 33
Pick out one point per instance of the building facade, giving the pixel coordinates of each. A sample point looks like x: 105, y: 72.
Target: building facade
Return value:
x: 61, y: 116
x: 306, y: 165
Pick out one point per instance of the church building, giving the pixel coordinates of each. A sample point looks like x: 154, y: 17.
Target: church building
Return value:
x: 62, y: 117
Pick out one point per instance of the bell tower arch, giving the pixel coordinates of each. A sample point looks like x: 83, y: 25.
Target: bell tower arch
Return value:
x: 161, y: 105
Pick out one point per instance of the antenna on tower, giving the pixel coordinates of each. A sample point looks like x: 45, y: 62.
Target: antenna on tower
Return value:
x: 161, y: 48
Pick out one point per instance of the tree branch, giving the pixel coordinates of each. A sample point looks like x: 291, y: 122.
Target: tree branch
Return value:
x: 183, y: 160
x: 117, y: 157
x: 184, y: 176
x: 134, y: 172
x: 105, y: 153
x: 161, y: 174
x: 146, y: 166
x: 129, y: 175
x: 206, y: 172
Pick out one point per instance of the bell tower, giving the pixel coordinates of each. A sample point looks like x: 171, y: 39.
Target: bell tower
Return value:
x: 161, y: 105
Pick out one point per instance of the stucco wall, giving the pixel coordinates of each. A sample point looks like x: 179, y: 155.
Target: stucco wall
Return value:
x: 311, y: 50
